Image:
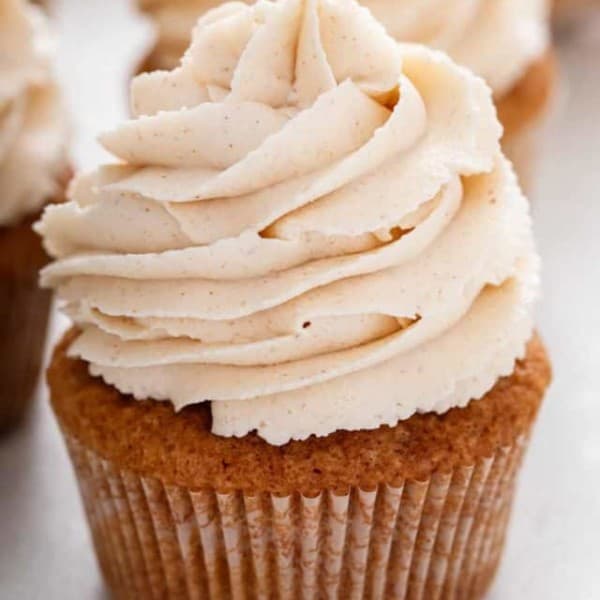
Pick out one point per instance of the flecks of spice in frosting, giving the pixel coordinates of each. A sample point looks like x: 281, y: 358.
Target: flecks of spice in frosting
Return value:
x: 252, y: 202
x: 497, y: 39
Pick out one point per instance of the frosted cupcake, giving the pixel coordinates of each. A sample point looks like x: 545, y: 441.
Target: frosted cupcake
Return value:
x: 303, y: 361
x: 33, y: 168
x: 504, y: 42
x: 566, y: 13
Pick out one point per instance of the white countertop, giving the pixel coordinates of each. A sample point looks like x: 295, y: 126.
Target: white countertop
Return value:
x: 553, y: 551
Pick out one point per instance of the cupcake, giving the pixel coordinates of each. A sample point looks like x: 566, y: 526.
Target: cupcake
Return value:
x: 504, y: 42
x: 303, y: 361
x: 33, y: 169
x: 568, y: 12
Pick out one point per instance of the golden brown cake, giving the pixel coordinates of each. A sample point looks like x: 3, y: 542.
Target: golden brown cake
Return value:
x: 170, y: 486
x: 150, y: 438
x: 303, y: 361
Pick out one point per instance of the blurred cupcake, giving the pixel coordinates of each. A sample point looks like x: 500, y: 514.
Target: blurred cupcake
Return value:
x: 33, y: 170
x: 566, y: 13
x: 506, y: 43
x: 303, y: 361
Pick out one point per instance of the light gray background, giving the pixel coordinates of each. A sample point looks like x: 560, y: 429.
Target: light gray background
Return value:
x: 553, y: 551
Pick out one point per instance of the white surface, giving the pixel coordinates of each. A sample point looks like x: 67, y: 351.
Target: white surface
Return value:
x: 553, y: 551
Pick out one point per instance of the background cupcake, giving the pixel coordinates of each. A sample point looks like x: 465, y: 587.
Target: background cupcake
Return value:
x: 568, y: 12
x: 33, y: 169
x: 505, y: 42
x: 342, y: 265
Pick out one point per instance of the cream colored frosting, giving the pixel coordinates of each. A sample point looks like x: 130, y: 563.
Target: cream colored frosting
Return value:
x: 312, y: 226
x: 174, y: 21
x: 32, y: 119
x: 497, y: 39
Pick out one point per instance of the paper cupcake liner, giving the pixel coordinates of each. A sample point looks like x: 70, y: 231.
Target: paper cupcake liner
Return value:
x: 24, y: 310
x: 435, y: 539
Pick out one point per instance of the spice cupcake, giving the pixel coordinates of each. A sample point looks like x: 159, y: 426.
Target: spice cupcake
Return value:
x: 504, y: 42
x: 33, y: 169
x: 303, y: 361
x: 569, y: 12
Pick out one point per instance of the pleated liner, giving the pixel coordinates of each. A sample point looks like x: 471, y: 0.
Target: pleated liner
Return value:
x: 24, y: 311
x: 429, y: 540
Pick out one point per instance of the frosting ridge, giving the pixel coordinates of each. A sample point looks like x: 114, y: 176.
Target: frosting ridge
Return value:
x: 291, y: 231
x: 497, y: 39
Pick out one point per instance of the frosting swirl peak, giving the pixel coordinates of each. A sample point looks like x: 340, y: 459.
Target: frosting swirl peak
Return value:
x: 497, y: 39
x: 306, y: 215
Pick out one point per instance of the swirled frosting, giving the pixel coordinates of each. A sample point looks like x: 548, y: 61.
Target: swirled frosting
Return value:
x: 497, y: 39
x: 311, y: 226
x: 173, y: 21
x: 32, y: 120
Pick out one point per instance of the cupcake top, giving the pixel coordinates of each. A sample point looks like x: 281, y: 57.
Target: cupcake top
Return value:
x: 311, y: 226
x: 497, y: 39
x: 32, y: 118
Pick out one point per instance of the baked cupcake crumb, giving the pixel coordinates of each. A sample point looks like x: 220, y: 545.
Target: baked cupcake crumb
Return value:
x: 149, y: 437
